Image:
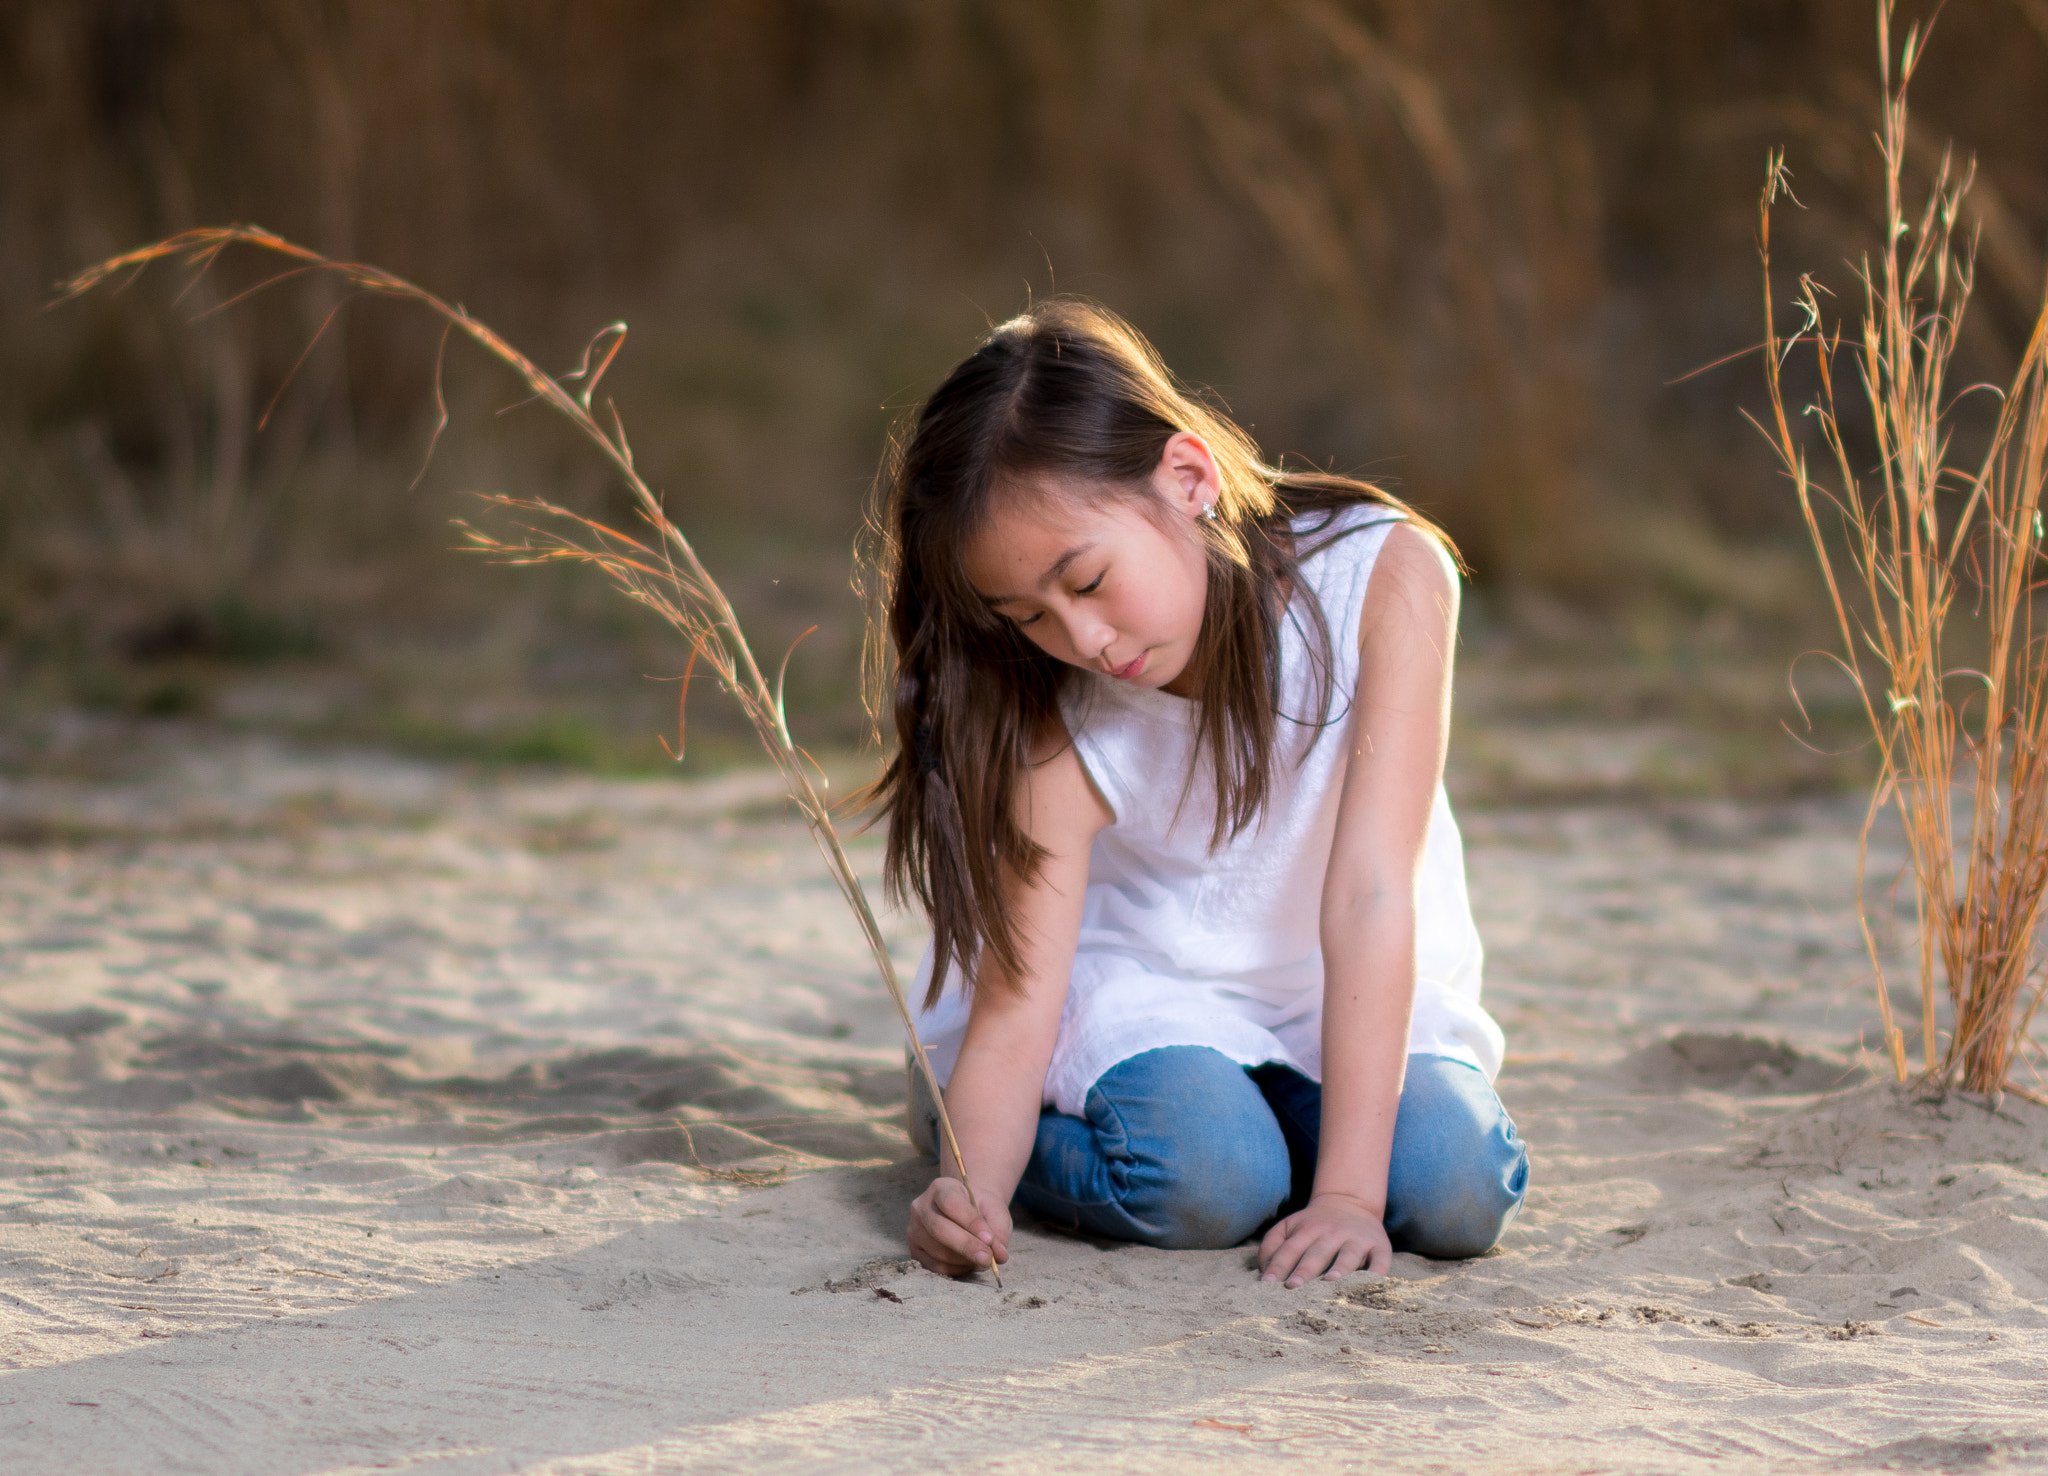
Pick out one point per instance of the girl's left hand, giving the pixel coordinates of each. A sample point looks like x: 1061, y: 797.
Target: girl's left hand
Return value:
x: 1333, y: 1237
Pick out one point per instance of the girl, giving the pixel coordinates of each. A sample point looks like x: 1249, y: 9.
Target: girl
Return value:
x: 1171, y: 730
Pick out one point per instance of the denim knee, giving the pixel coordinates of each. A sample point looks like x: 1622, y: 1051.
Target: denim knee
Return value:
x: 1178, y: 1150
x: 1466, y: 1211
x: 1459, y: 1168
x: 1213, y: 1191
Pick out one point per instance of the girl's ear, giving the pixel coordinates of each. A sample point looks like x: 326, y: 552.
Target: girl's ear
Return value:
x: 1187, y: 477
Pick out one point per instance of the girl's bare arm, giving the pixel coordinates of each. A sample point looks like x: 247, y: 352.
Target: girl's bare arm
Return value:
x: 1399, y: 729
x: 997, y: 1084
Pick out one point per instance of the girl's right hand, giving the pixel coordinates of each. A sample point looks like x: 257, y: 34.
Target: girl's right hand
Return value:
x: 953, y: 1236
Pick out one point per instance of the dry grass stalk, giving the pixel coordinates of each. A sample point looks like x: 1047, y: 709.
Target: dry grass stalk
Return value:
x: 1921, y: 534
x: 660, y: 570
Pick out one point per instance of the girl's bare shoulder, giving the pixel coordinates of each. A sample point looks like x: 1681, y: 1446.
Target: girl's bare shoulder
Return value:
x: 1414, y: 584
x: 1060, y: 800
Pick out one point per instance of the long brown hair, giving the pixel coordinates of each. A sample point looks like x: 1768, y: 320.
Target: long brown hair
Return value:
x: 1067, y: 390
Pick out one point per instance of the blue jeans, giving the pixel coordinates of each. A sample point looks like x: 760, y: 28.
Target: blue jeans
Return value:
x: 1184, y: 1147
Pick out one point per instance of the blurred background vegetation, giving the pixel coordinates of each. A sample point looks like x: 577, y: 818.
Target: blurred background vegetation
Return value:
x: 1474, y: 249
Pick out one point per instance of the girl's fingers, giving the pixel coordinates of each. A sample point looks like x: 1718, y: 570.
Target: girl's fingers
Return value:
x: 1316, y: 1255
x: 1328, y: 1254
x: 949, y: 1233
x: 999, y: 1244
x: 962, y: 1243
x: 941, y: 1235
x: 1296, y: 1250
x: 1293, y: 1251
x: 1274, y: 1238
x: 950, y: 1198
x: 1274, y: 1262
x: 1352, y: 1255
x: 936, y: 1255
x: 997, y: 1235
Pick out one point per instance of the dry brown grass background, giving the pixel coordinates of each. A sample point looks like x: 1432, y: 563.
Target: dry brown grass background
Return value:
x: 1464, y: 246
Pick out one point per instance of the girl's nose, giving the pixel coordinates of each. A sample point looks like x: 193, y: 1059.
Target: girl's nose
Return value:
x: 1089, y: 638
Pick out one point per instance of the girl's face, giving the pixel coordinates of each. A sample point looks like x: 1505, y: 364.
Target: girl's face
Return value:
x: 1102, y: 581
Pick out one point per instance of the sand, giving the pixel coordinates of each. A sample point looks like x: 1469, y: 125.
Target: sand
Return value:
x: 359, y: 1114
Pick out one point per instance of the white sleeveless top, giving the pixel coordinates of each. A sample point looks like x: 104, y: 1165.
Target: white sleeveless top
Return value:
x: 1181, y: 945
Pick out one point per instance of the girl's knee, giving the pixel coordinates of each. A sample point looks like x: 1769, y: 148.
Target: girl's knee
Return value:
x: 1463, y: 1208
x: 1460, y: 1171
x: 1205, y: 1163
x: 1211, y: 1195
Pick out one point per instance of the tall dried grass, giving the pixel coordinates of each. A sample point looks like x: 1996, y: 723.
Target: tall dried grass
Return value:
x: 1936, y: 553
x: 659, y: 570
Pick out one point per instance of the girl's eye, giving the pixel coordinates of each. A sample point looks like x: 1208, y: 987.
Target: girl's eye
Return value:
x: 1093, y: 585
x: 1028, y: 619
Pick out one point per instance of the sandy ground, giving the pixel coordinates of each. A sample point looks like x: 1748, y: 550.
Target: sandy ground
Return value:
x: 364, y: 1115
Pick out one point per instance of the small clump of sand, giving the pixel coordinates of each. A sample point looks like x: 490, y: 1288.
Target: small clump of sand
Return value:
x: 365, y: 1115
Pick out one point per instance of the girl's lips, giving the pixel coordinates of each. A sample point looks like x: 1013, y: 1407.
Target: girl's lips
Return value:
x: 1130, y: 668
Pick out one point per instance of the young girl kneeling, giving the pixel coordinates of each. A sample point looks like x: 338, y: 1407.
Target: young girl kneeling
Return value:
x: 1171, y: 730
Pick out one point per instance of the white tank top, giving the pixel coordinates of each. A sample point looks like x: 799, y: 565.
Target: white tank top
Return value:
x: 1182, y: 945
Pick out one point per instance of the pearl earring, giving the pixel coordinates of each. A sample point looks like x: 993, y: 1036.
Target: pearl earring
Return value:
x: 1209, y: 511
